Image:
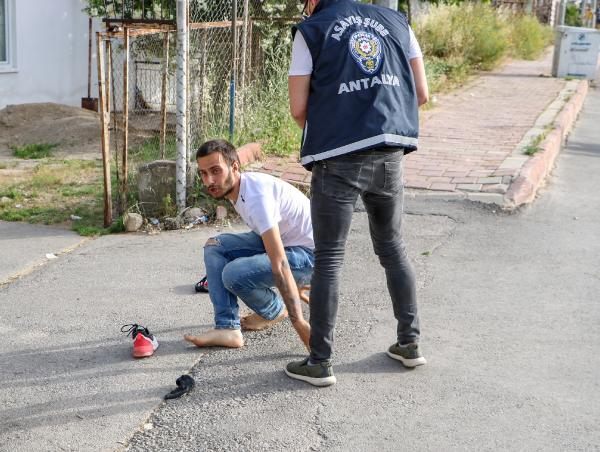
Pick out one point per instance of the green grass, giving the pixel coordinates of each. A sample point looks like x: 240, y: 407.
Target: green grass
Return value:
x: 13, y: 193
x: 34, y: 151
x: 531, y: 149
x: 78, y: 190
x: 55, y: 190
x: 149, y: 150
x: 534, y: 146
x: 38, y: 214
x: 263, y: 110
x: 266, y: 116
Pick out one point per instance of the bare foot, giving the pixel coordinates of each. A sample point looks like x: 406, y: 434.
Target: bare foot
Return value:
x: 303, y: 295
x: 221, y: 337
x: 254, y: 322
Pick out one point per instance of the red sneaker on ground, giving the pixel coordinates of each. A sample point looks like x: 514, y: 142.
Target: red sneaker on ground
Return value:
x: 202, y: 285
x: 144, y: 343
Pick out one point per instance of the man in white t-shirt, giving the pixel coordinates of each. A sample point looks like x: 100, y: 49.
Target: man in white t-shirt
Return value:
x: 277, y: 252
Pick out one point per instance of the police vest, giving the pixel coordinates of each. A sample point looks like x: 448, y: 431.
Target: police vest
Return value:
x: 362, y: 93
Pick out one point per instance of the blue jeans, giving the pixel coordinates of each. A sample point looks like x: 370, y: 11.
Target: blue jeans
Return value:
x: 376, y: 176
x: 237, y: 266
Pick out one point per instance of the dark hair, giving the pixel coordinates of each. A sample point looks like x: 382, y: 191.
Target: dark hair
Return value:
x: 224, y: 147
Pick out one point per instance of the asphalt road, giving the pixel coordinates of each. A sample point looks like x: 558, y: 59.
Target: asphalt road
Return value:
x: 509, y: 312
x: 510, y: 316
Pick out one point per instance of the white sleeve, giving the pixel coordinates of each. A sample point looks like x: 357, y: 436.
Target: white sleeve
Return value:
x: 414, y: 50
x: 302, y: 63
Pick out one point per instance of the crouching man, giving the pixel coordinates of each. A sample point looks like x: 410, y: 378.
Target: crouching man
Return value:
x: 277, y: 252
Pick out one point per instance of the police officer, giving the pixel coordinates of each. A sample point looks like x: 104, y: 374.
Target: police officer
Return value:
x: 356, y: 81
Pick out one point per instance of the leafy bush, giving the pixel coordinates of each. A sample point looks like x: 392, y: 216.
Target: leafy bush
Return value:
x: 572, y: 16
x: 528, y: 37
x: 473, y: 32
x: 267, y: 116
x: 458, y: 39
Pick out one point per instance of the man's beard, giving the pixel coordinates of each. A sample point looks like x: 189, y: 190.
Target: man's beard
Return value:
x: 227, y: 186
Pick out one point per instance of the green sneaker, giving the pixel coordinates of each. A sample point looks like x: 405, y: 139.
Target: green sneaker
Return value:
x: 318, y: 375
x: 408, y: 354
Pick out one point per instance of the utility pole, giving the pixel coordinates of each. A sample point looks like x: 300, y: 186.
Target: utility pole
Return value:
x: 182, y: 68
x: 233, y: 79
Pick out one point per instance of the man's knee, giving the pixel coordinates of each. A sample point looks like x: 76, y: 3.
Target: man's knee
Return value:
x: 212, y: 249
x: 213, y: 241
x: 231, y: 276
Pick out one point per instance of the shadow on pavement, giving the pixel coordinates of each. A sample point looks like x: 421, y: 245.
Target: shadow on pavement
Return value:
x: 188, y: 289
x: 85, y: 359
x: 377, y: 363
x: 76, y: 409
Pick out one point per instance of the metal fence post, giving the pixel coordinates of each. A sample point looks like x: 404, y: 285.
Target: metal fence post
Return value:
x: 232, y: 83
x: 182, y: 68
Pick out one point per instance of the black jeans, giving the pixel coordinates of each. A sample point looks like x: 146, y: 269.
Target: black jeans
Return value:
x: 377, y: 176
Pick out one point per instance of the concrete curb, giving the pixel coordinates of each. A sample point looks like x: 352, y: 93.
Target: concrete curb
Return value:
x: 535, y: 170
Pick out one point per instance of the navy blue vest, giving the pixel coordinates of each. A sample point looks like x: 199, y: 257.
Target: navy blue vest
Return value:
x: 362, y: 94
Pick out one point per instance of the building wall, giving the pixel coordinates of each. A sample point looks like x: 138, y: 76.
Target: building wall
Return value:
x: 51, y: 54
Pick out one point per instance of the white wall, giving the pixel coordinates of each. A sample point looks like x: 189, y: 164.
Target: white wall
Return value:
x: 51, y: 54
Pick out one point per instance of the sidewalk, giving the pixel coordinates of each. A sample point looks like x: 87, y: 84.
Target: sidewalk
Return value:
x: 472, y: 142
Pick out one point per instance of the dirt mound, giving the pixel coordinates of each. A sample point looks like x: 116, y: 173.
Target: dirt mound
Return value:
x: 76, y: 131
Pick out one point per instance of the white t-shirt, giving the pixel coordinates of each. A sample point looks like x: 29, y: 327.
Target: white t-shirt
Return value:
x: 302, y: 63
x: 265, y: 201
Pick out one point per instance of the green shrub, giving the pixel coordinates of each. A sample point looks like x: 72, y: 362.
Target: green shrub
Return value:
x: 472, y: 32
x: 34, y: 151
x: 458, y: 39
x: 444, y: 73
x: 572, y: 16
x: 528, y: 37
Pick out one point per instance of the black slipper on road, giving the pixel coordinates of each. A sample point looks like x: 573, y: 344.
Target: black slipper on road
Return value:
x: 202, y: 285
x: 185, y: 383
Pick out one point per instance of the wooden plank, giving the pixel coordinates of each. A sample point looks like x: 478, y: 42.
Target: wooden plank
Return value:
x: 210, y: 25
x: 109, y: 85
x: 134, y: 33
x: 140, y: 23
x: 104, y: 138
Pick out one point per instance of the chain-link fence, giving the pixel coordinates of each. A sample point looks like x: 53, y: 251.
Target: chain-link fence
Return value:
x: 140, y: 99
x: 236, y: 78
x: 258, y: 59
x: 255, y: 51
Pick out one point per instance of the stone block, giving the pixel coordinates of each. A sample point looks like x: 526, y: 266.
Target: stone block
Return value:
x: 490, y: 180
x: 221, y: 212
x: 132, y: 222
x: 469, y: 187
x: 156, y: 181
x: 192, y: 214
x: 172, y: 223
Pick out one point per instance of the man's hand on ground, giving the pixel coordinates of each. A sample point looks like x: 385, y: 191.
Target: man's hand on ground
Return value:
x: 285, y: 282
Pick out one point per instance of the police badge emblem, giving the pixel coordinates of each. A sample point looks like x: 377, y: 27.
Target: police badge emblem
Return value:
x: 366, y: 49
